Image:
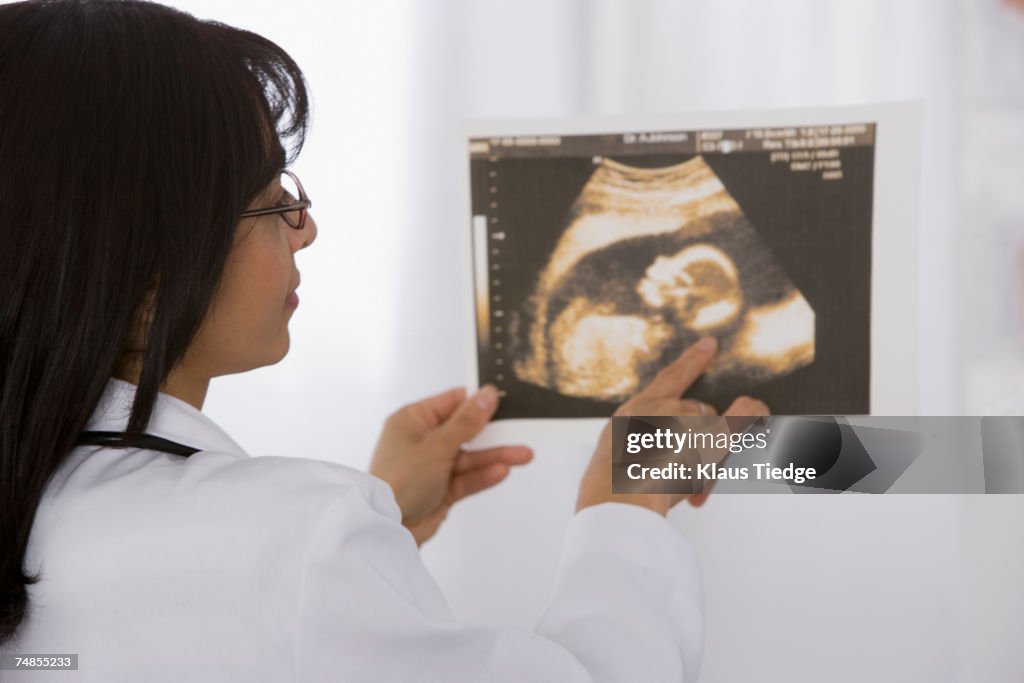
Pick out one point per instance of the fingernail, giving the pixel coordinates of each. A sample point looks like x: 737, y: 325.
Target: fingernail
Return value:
x: 707, y: 344
x: 755, y: 407
x: 486, y: 398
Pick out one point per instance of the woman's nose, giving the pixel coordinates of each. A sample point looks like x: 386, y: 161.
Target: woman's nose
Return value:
x: 307, y: 235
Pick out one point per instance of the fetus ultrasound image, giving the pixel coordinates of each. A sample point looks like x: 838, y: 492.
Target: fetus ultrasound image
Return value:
x: 598, y: 259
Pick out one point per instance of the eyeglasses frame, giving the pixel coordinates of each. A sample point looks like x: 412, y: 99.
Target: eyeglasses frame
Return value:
x: 302, y: 205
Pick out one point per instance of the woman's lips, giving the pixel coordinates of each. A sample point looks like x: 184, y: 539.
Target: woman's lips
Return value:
x: 292, y: 300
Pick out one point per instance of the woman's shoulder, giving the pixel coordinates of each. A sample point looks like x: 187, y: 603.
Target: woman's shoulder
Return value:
x: 223, y: 510
x: 218, y: 482
x: 282, y: 473
x: 282, y: 480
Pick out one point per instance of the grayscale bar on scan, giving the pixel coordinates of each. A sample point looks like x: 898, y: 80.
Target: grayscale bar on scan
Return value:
x: 483, y: 326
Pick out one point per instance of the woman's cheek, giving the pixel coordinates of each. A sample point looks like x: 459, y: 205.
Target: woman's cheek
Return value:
x: 269, y: 269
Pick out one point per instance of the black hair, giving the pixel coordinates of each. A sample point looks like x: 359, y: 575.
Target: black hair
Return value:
x: 131, y: 137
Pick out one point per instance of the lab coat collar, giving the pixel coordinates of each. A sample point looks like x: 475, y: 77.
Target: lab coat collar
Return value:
x: 172, y: 419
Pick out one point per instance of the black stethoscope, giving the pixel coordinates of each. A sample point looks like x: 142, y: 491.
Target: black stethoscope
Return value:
x: 144, y: 441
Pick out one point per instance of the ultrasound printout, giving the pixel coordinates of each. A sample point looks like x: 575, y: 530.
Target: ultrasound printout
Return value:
x: 599, y: 258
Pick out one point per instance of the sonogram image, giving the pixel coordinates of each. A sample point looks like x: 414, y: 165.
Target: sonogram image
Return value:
x: 599, y: 258
x: 651, y: 260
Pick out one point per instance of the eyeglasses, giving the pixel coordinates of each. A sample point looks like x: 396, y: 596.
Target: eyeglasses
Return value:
x: 294, y: 204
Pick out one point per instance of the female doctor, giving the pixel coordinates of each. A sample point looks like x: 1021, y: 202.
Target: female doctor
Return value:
x: 149, y: 231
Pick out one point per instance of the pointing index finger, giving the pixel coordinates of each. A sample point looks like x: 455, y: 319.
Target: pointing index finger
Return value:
x: 676, y: 377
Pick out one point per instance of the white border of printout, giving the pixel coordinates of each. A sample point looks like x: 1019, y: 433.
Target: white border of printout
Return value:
x: 894, y: 257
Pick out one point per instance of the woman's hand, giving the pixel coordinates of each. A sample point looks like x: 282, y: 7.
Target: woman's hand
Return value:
x: 663, y: 396
x: 420, y: 455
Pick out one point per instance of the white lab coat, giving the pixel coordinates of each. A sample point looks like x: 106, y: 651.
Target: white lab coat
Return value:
x: 225, y: 567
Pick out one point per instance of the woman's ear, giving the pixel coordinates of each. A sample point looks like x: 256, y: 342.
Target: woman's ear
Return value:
x: 138, y: 332
x: 129, y: 364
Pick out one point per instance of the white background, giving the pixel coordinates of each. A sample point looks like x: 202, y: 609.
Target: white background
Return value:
x: 805, y: 588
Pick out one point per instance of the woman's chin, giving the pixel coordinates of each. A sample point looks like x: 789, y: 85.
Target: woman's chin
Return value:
x: 275, y: 352
x: 283, y: 348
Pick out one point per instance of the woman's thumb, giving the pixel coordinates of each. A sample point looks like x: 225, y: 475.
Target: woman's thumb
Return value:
x: 470, y: 418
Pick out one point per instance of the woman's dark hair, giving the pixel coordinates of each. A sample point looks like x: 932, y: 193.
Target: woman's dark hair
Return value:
x: 131, y: 137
